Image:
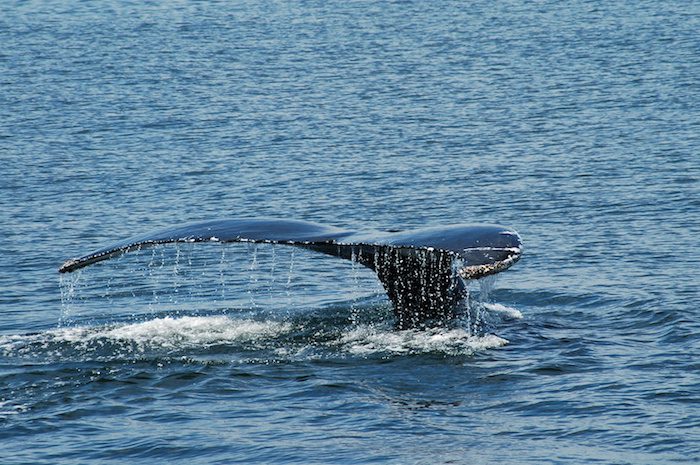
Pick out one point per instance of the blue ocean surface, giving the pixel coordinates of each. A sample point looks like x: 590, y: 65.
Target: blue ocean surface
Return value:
x: 576, y: 123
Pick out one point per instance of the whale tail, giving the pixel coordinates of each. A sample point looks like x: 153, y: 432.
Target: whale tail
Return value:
x: 422, y: 271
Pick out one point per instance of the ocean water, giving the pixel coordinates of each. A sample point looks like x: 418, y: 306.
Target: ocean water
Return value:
x: 576, y: 123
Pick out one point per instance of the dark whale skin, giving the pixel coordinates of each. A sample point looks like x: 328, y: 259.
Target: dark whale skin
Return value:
x: 420, y: 269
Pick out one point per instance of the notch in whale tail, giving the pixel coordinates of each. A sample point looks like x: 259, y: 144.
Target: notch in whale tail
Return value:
x: 421, y: 270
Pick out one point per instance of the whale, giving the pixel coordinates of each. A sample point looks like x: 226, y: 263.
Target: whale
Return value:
x: 424, y: 271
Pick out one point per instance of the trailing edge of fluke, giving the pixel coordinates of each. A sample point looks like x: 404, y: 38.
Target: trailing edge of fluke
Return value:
x: 420, y: 269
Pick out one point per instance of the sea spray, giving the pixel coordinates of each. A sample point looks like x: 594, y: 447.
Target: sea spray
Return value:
x: 362, y: 324
x: 288, y: 283
x: 253, y: 276
x: 67, y: 284
x: 222, y: 272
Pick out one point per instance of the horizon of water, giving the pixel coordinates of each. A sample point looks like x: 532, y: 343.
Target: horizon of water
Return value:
x: 575, y: 123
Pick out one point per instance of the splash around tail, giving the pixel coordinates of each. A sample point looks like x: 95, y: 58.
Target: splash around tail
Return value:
x: 421, y: 270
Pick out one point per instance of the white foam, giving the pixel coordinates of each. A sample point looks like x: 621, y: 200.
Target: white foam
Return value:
x: 165, y: 333
x: 198, y: 332
x: 365, y: 340
x: 504, y: 311
x: 195, y: 331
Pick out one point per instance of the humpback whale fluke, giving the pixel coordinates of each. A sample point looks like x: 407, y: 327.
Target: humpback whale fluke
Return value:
x: 420, y: 269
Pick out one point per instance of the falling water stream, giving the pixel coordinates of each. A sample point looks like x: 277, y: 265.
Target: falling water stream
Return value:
x: 181, y: 295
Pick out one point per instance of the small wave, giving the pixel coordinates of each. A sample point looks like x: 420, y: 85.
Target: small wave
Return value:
x: 195, y: 331
x: 162, y: 333
x: 7, y: 408
x: 504, y: 311
x: 367, y: 340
